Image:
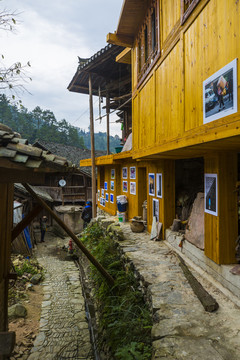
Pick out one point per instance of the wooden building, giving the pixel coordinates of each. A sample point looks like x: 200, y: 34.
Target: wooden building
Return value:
x: 78, y: 183
x: 185, y: 115
x: 19, y: 162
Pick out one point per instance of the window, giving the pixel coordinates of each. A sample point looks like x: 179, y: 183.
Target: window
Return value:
x: 147, y: 42
x: 187, y: 6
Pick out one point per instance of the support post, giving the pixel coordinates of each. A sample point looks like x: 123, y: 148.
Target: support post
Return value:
x: 94, y: 212
x: 108, y: 111
x: 90, y: 257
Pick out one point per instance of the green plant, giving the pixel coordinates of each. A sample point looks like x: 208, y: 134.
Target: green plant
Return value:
x: 125, y: 319
x: 26, y: 267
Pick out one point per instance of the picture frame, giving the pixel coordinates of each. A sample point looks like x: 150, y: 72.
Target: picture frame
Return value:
x: 156, y: 209
x: 106, y: 197
x: 98, y: 194
x: 211, y: 194
x: 105, y: 185
x: 220, y: 93
x: 102, y: 192
x: 112, y: 186
x: 112, y: 173
x: 159, y: 185
x: 103, y: 202
x: 133, y: 187
x: 111, y: 198
x: 133, y: 172
x: 124, y: 172
x: 151, y: 184
x: 125, y: 186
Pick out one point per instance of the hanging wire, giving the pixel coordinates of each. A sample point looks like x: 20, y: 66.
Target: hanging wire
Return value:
x: 115, y: 109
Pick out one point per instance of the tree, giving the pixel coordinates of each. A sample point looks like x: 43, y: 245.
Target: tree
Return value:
x: 13, y: 77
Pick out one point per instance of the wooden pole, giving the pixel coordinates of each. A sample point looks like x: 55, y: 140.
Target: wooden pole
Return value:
x: 26, y: 221
x: 108, y: 111
x: 94, y: 212
x: 72, y: 235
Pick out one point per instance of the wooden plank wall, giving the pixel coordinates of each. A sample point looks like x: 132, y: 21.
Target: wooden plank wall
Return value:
x: 6, y: 218
x: 222, y: 230
x: 169, y: 103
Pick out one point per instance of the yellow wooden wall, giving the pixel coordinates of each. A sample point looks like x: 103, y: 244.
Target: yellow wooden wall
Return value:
x: 221, y: 231
x: 168, y: 104
x: 109, y: 207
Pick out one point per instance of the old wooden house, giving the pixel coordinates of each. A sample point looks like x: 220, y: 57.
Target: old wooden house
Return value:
x: 185, y: 120
x: 19, y: 163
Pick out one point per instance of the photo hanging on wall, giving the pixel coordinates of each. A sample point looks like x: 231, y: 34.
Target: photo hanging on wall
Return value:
x: 106, y: 197
x: 220, y: 93
x: 105, y: 185
x: 211, y: 194
x: 112, y: 173
x: 102, y: 192
x: 156, y: 209
x: 133, y: 188
x: 112, y: 186
x: 111, y: 198
x: 159, y: 185
x: 103, y: 202
x: 125, y: 186
x: 124, y: 172
x: 151, y: 184
x: 133, y: 172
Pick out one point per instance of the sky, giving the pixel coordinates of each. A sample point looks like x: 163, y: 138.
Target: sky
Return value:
x: 51, y: 35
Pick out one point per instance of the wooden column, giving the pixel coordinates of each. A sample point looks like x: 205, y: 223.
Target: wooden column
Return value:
x: 6, y: 221
x: 108, y: 132
x: 221, y: 231
x: 94, y: 212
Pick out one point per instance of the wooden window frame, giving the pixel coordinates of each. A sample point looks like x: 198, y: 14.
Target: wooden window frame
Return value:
x: 145, y: 62
x: 186, y: 13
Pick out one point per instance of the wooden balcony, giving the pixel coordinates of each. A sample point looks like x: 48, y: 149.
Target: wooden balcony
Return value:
x: 69, y: 194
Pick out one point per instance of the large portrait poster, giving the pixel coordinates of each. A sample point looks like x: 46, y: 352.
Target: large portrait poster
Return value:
x: 211, y: 194
x: 220, y: 93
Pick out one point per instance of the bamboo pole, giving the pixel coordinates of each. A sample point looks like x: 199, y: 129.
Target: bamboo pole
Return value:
x: 72, y: 235
x: 108, y: 110
x: 94, y: 212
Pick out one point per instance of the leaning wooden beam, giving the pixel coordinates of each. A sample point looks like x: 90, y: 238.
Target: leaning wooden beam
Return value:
x: 73, y: 236
x: 208, y: 302
x: 26, y: 221
x: 94, y: 208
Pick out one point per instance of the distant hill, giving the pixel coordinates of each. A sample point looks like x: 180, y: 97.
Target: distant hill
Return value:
x: 42, y: 124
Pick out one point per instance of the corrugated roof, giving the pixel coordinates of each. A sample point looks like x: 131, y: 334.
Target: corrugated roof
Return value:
x: 20, y: 154
x: 40, y: 192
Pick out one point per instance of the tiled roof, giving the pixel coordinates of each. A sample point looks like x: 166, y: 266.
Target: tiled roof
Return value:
x: 16, y: 150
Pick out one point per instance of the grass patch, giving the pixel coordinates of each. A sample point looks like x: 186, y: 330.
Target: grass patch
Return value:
x: 125, y: 320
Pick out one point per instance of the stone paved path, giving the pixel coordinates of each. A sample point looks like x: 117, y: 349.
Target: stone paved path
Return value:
x: 64, y: 330
x: 182, y: 329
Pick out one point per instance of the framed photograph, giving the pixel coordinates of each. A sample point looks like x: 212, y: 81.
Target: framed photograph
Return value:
x: 112, y: 186
x: 220, y: 93
x: 112, y: 173
x: 103, y: 202
x: 211, y: 194
x: 111, y: 198
x: 101, y: 199
x: 124, y: 172
x: 98, y: 194
x: 133, y: 172
x: 151, y: 184
x: 105, y: 185
x: 102, y: 192
x: 159, y: 185
x: 156, y: 209
x: 106, y: 197
x: 133, y: 188
x: 125, y: 186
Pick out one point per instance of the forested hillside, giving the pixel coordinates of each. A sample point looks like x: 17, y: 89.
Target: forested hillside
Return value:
x: 42, y: 124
